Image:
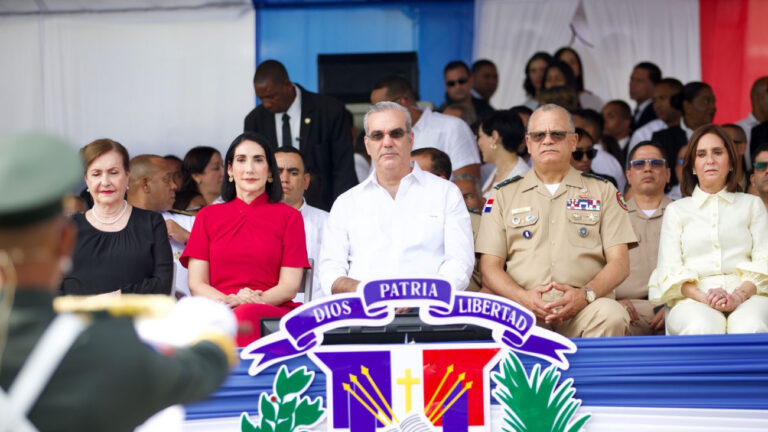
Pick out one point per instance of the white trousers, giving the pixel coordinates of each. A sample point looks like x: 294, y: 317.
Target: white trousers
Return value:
x: 690, y: 317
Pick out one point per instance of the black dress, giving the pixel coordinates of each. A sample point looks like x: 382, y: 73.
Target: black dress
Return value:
x: 135, y: 260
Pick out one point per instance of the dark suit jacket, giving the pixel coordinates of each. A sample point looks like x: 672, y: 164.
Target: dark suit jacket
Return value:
x: 672, y: 139
x: 481, y: 106
x: 325, y: 141
x: 758, y: 136
x: 647, y: 115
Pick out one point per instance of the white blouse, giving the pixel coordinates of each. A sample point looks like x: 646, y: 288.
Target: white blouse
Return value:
x: 520, y: 168
x: 712, y: 240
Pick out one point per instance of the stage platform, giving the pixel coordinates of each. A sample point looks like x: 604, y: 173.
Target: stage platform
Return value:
x: 667, y: 383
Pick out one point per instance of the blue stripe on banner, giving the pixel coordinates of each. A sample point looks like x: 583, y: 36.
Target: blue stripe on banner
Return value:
x: 722, y: 372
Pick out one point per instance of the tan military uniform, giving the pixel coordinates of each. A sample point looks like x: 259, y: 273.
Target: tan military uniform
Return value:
x: 476, y: 281
x: 560, y: 238
x: 642, y: 262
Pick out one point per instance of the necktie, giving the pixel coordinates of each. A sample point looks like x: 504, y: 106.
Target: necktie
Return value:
x: 287, y: 130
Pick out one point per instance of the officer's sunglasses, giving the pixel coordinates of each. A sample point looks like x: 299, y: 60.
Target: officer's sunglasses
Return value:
x: 556, y: 136
x: 640, y: 163
x: 452, y: 83
x: 761, y: 166
x: 578, y: 154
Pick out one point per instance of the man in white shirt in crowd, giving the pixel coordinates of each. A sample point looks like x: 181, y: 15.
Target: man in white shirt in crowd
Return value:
x: 603, y: 163
x: 295, y: 180
x: 432, y: 129
x: 668, y: 115
x: 399, y: 222
x: 617, y: 118
x: 758, y: 96
x: 644, y: 77
x: 152, y: 187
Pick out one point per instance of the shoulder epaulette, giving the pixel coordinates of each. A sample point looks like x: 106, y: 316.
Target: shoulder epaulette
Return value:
x: 595, y: 176
x: 474, y: 211
x: 507, y: 181
x: 181, y: 212
x: 120, y: 305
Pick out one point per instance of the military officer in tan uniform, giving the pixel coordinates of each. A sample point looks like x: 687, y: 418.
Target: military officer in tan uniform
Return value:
x: 556, y: 240
x: 647, y: 172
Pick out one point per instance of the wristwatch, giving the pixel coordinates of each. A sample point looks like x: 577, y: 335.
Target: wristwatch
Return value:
x: 590, y: 295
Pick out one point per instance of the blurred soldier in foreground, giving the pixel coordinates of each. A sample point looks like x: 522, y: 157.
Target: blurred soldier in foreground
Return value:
x: 85, y: 371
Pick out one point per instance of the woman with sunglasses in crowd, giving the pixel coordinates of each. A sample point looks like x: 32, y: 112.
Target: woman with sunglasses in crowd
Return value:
x: 712, y: 269
x: 581, y: 158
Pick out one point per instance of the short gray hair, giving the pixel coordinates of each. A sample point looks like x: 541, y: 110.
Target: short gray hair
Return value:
x: 387, y: 106
x: 470, y: 177
x: 553, y: 107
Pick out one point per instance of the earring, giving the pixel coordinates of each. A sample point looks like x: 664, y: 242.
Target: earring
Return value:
x: 269, y: 179
x: 231, y: 179
x: 694, y: 172
x: 730, y: 169
x: 494, y: 146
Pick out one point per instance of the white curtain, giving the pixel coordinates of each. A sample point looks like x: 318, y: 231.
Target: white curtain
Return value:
x: 508, y: 32
x: 611, y: 36
x: 156, y: 81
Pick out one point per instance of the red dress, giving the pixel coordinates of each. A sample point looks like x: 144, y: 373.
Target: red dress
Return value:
x: 245, y: 246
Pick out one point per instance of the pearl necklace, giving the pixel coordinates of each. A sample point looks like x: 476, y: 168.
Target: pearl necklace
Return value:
x: 111, y: 221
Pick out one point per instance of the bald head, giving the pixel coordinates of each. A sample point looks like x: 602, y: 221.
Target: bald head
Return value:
x: 552, y: 108
x: 270, y: 71
x: 151, y: 183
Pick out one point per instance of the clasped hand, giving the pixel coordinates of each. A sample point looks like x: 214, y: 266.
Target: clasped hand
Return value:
x: 244, y: 296
x: 562, y: 309
x: 720, y: 299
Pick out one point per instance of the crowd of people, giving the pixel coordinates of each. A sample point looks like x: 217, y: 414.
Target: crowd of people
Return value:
x: 600, y: 219
x: 585, y: 212
x: 604, y: 234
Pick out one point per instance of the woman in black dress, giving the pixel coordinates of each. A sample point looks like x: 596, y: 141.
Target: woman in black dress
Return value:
x: 119, y: 248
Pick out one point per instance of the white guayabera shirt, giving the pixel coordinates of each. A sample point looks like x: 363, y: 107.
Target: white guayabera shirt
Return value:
x: 424, y: 230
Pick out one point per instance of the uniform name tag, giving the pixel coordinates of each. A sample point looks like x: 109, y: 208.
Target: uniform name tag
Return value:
x: 520, y: 210
x: 583, y: 204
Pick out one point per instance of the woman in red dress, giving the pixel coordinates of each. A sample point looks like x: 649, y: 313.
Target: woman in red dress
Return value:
x: 250, y: 251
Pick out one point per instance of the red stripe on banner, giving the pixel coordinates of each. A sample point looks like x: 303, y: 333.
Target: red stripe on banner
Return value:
x: 734, y: 52
x: 723, y: 38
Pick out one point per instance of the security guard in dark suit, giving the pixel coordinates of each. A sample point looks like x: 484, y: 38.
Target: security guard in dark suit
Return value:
x: 77, y: 371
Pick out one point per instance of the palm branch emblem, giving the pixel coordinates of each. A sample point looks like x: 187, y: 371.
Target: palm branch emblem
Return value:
x: 536, y: 402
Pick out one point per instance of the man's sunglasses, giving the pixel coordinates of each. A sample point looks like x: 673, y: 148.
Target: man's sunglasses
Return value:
x: 578, y: 154
x: 654, y: 163
x: 458, y: 81
x: 394, y: 134
x: 760, y: 166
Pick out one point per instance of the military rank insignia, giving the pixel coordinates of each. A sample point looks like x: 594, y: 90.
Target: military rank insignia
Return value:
x: 620, y: 199
x: 583, y: 204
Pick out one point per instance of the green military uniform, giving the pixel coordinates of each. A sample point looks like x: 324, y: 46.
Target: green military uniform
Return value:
x: 109, y: 379
x: 106, y: 378
x: 559, y: 238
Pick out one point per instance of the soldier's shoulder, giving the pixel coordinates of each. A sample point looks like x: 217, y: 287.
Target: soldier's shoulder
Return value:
x: 508, y: 181
x: 182, y: 212
x: 595, y: 176
x: 125, y: 305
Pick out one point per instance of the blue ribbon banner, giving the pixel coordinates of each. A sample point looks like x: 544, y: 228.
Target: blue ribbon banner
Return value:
x: 374, y: 305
